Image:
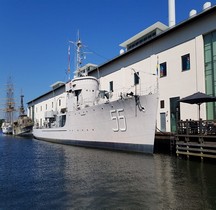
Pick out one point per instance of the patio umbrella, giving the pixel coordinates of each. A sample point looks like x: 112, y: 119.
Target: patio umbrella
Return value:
x: 198, y: 98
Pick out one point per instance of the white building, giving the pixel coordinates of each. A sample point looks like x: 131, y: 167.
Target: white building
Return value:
x: 48, y: 104
x: 185, y: 57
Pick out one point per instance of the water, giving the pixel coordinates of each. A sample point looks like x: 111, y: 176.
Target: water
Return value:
x: 41, y: 175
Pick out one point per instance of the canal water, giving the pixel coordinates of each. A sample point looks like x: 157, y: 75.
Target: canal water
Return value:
x: 41, y: 175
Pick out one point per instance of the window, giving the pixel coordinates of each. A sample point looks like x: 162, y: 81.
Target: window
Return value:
x: 163, y: 69
x: 210, y: 66
x: 59, y: 102
x: 41, y: 108
x: 52, y: 104
x: 111, y: 86
x: 46, y: 106
x: 162, y: 104
x: 185, y: 62
x: 136, y: 78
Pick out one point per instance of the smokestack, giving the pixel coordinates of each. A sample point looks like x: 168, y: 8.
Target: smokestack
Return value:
x: 172, y: 20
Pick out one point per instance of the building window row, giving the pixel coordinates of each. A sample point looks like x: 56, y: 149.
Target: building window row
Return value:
x: 46, y: 106
x: 185, y: 65
x: 147, y: 37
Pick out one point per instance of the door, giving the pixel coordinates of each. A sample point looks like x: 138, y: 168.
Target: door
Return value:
x: 174, y: 112
x: 163, y: 121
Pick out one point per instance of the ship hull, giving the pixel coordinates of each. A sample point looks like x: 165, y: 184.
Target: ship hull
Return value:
x: 126, y: 124
x: 22, y: 131
x: 22, y: 126
x: 7, y: 128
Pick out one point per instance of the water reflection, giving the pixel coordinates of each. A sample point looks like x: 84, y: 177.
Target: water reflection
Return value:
x: 40, y: 175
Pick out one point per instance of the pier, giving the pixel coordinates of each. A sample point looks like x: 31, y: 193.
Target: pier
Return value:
x: 164, y: 142
x: 192, y: 139
x: 196, y: 138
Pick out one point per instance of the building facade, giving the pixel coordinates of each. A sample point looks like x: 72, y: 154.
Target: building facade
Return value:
x: 178, y: 60
x: 50, y: 103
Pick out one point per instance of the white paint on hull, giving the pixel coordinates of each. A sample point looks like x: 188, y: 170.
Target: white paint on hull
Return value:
x: 119, y: 122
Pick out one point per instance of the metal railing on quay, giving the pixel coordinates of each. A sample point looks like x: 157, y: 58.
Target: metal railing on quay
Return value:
x: 196, y: 127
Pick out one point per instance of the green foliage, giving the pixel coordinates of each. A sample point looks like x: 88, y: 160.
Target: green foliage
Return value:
x: 1, y: 121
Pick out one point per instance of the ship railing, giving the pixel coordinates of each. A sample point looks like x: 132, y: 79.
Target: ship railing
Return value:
x: 123, y: 92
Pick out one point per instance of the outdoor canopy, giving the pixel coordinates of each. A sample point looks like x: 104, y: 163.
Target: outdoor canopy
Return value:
x: 198, y: 98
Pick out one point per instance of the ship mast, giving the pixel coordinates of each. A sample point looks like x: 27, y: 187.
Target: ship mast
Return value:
x: 9, y: 109
x: 68, y: 71
x: 22, y: 110
x: 79, y: 55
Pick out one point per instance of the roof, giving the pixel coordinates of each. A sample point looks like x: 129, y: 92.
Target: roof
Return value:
x: 157, y: 25
x: 87, y: 66
x: 57, y: 84
x: 47, y: 93
x: 194, y: 18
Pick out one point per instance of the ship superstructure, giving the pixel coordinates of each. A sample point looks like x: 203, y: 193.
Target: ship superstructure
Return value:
x: 23, y: 125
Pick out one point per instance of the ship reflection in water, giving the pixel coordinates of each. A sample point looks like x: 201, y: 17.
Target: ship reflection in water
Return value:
x: 41, y: 175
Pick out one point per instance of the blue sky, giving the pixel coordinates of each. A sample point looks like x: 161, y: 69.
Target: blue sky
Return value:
x: 34, y: 35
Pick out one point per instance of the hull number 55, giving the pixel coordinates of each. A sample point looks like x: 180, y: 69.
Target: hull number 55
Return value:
x: 117, y: 115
